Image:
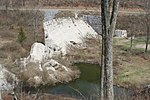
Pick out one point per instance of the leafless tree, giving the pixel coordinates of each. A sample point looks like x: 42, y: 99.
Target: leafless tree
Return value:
x: 109, y: 17
x: 23, y: 2
x: 35, y: 19
x: 147, y: 22
x: 6, y: 3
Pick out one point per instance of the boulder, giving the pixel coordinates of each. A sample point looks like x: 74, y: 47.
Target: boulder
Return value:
x: 38, y: 52
x: 7, y: 79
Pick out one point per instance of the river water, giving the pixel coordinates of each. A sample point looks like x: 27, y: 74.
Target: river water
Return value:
x: 87, y: 86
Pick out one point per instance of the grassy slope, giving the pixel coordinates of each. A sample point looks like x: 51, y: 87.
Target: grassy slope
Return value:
x: 134, y: 67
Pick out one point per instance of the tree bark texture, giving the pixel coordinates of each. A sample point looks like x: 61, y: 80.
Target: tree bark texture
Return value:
x: 109, y: 18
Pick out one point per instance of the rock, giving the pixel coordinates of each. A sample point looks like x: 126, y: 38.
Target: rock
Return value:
x: 37, y: 52
x: 52, y: 72
x: 120, y: 33
x: 59, y: 33
x: 60, y: 72
x: 7, y: 79
x: 35, y: 81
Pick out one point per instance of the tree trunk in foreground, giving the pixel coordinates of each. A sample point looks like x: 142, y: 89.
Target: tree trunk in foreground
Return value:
x: 108, y: 27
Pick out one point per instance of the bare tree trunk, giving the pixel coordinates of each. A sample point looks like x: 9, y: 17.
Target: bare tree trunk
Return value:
x: 147, y: 38
x: 102, y: 71
x: 23, y: 3
x: 6, y: 5
x: 147, y: 18
x: 35, y: 27
x: 105, y: 13
x: 108, y: 28
x: 37, y: 2
x: 6, y: 10
x: 131, y: 42
x: 114, y: 16
x: 102, y: 68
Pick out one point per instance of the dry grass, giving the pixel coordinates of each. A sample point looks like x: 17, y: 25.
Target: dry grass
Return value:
x: 43, y: 96
x: 134, y: 24
x: 12, y: 50
x: 88, y: 52
x: 75, y: 3
x: 134, y: 71
x: 64, y: 14
x: 9, y: 46
x: 7, y: 34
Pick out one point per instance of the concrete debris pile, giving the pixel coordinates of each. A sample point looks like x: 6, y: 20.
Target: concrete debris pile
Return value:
x: 39, y: 68
x: 65, y: 31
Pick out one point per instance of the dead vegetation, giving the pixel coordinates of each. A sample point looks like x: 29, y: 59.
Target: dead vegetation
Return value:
x: 64, y: 14
x: 70, y: 3
x: 43, y: 96
x: 10, y: 49
x: 88, y: 52
x: 134, y: 24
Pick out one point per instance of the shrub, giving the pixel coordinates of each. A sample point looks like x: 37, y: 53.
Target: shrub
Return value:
x: 21, y: 36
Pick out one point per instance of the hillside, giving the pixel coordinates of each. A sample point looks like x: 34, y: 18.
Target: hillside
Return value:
x: 68, y: 3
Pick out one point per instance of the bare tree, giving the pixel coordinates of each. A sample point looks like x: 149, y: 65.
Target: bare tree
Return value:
x: 6, y: 3
x: 109, y: 18
x: 147, y: 22
x: 35, y: 19
x: 23, y: 2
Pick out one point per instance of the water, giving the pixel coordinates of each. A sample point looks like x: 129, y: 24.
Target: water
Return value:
x: 87, y: 86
